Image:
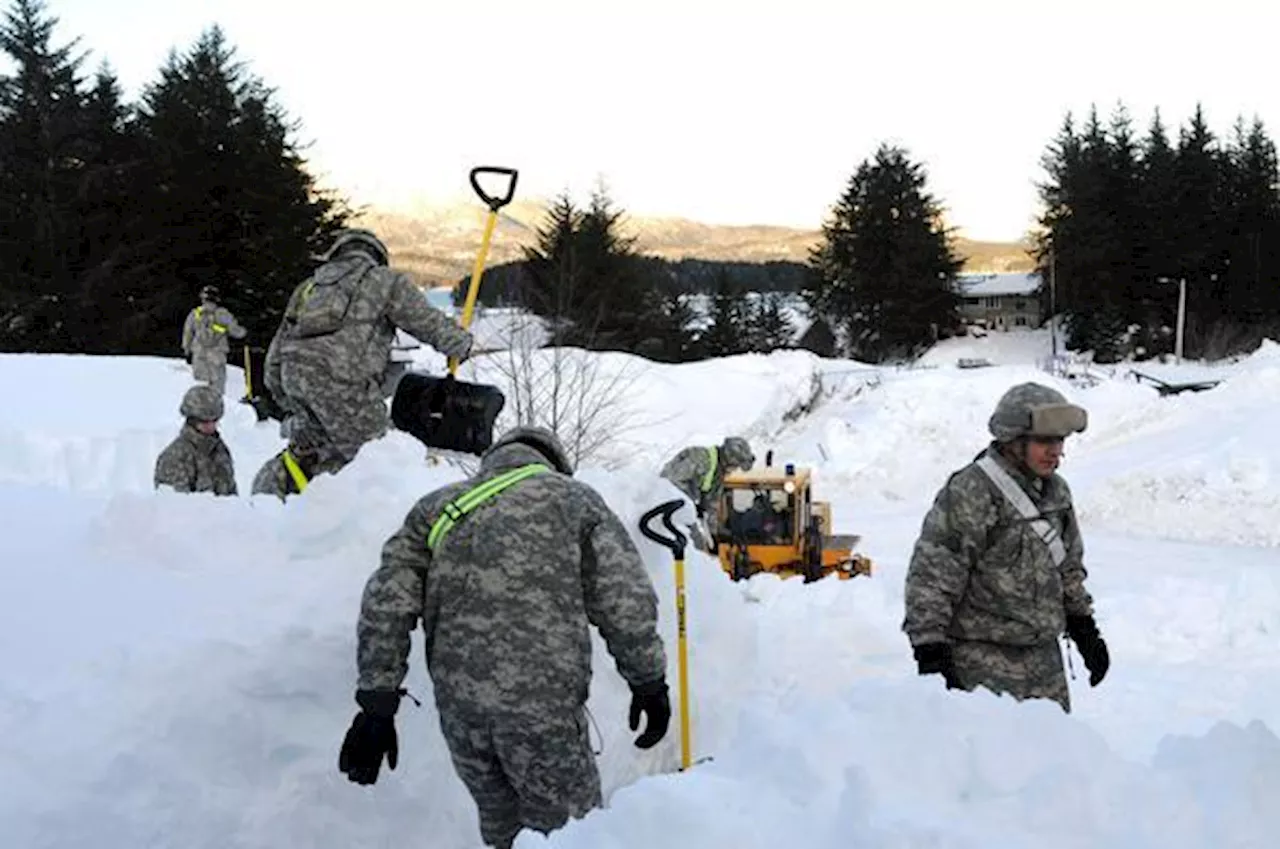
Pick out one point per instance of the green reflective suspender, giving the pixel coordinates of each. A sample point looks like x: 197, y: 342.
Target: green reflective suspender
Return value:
x: 453, y: 511
x: 217, y: 328
x: 295, y: 471
x: 713, y: 453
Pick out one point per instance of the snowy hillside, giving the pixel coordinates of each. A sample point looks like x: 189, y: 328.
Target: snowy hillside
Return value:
x: 178, y: 670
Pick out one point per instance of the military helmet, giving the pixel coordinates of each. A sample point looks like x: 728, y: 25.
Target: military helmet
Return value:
x: 358, y: 239
x: 542, y: 440
x: 1032, y: 409
x: 209, y: 293
x: 736, y: 451
x: 202, y: 403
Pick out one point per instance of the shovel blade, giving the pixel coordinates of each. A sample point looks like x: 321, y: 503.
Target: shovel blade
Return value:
x: 448, y: 414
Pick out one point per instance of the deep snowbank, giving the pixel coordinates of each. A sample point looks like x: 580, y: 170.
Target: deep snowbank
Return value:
x: 178, y: 670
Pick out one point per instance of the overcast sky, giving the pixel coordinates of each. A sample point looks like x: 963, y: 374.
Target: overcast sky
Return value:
x: 729, y: 112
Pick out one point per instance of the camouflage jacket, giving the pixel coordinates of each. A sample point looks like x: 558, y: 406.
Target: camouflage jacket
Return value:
x: 352, y: 346
x: 506, y: 598
x: 196, y: 462
x: 207, y: 329
x: 980, y: 572
x: 697, y: 472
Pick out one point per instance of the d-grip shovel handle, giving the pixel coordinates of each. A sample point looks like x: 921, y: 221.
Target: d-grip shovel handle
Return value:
x: 677, y: 540
x: 495, y: 203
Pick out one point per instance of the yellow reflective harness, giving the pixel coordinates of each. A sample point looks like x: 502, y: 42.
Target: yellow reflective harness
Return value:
x: 454, y: 510
x: 713, y: 454
x: 215, y: 326
x: 295, y: 471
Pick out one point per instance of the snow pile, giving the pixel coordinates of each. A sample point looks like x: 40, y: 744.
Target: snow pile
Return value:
x: 900, y: 764
x: 179, y: 669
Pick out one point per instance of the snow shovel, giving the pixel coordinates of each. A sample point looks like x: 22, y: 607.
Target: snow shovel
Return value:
x: 443, y: 412
x: 675, y: 542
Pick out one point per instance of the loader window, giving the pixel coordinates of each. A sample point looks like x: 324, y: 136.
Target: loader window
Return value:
x: 760, y: 517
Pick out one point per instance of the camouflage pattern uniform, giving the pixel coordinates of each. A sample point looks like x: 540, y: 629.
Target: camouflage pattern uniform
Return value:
x: 327, y: 362
x: 982, y: 582
x: 195, y: 461
x: 505, y: 603
x: 204, y: 339
x: 699, y: 473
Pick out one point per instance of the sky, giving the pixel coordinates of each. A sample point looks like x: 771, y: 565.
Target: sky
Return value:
x: 724, y: 112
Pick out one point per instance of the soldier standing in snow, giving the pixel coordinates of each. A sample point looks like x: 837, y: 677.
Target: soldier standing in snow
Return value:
x: 997, y: 574
x: 198, y: 460
x: 698, y: 471
x: 204, y: 339
x: 327, y: 361
x: 506, y: 571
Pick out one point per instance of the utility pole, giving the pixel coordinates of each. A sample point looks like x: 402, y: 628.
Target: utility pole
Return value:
x: 1053, y: 302
x: 1182, y: 317
x: 1182, y: 314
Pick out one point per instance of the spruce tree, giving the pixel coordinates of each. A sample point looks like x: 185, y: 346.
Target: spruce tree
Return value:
x: 230, y: 200
x: 589, y: 280
x: 728, y: 330
x: 42, y: 155
x: 885, y: 266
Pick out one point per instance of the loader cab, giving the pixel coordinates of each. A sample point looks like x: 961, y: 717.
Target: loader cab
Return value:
x: 760, y: 514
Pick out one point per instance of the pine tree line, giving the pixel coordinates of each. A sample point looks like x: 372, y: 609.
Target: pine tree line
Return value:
x: 1126, y: 216
x: 117, y: 213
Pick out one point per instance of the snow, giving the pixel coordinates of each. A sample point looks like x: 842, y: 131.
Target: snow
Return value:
x: 1003, y: 283
x: 178, y: 670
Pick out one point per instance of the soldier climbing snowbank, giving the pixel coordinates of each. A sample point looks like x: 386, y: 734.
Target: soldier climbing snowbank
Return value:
x: 506, y: 571
x: 326, y: 364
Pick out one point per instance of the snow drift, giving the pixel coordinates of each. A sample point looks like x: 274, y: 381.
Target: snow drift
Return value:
x: 179, y: 669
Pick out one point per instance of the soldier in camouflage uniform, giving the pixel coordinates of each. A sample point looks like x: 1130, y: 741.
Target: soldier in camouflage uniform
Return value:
x: 198, y: 460
x: 204, y: 339
x: 505, y: 595
x: 997, y: 574
x: 327, y: 362
x: 699, y: 471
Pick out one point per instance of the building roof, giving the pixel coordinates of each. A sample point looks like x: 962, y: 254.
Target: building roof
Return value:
x: 987, y: 285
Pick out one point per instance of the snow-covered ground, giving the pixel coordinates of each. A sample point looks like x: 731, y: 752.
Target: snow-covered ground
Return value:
x: 178, y: 670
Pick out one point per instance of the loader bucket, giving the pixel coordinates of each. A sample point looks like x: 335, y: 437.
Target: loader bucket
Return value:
x: 446, y: 413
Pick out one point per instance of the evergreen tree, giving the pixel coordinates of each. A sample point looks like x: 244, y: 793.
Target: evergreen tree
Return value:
x: 42, y: 148
x: 587, y: 277
x: 229, y: 202
x: 885, y: 269
x: 675, y: 329
x: 1252, y: 223
x: 768, y: 326
x: 728, y: 331
x: 1199, y: 200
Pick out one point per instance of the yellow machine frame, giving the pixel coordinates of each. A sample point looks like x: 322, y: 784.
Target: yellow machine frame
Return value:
x: 811, y: 551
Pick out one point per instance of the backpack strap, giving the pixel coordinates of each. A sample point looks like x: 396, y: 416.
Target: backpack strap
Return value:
x: 1022, y: 503
x: 213, y: 325
x: 453, y: 511
x: 713, y: 454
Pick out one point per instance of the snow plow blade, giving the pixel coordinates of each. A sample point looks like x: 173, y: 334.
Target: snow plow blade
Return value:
x: 445, y: 413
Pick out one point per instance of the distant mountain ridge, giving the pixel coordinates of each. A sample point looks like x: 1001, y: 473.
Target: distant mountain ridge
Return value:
x: 438, y: 242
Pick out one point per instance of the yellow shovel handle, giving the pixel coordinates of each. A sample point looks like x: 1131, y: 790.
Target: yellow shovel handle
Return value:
x: 683, y: 660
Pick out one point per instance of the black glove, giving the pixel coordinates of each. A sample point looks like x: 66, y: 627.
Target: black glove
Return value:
x: 1084, y: 632
x: 651, y: 700
x: 372, y: 735
x: 188, y: 358
x: 935, y: 658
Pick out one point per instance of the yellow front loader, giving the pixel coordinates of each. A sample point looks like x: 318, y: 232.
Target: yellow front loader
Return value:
x: 769, y: 522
